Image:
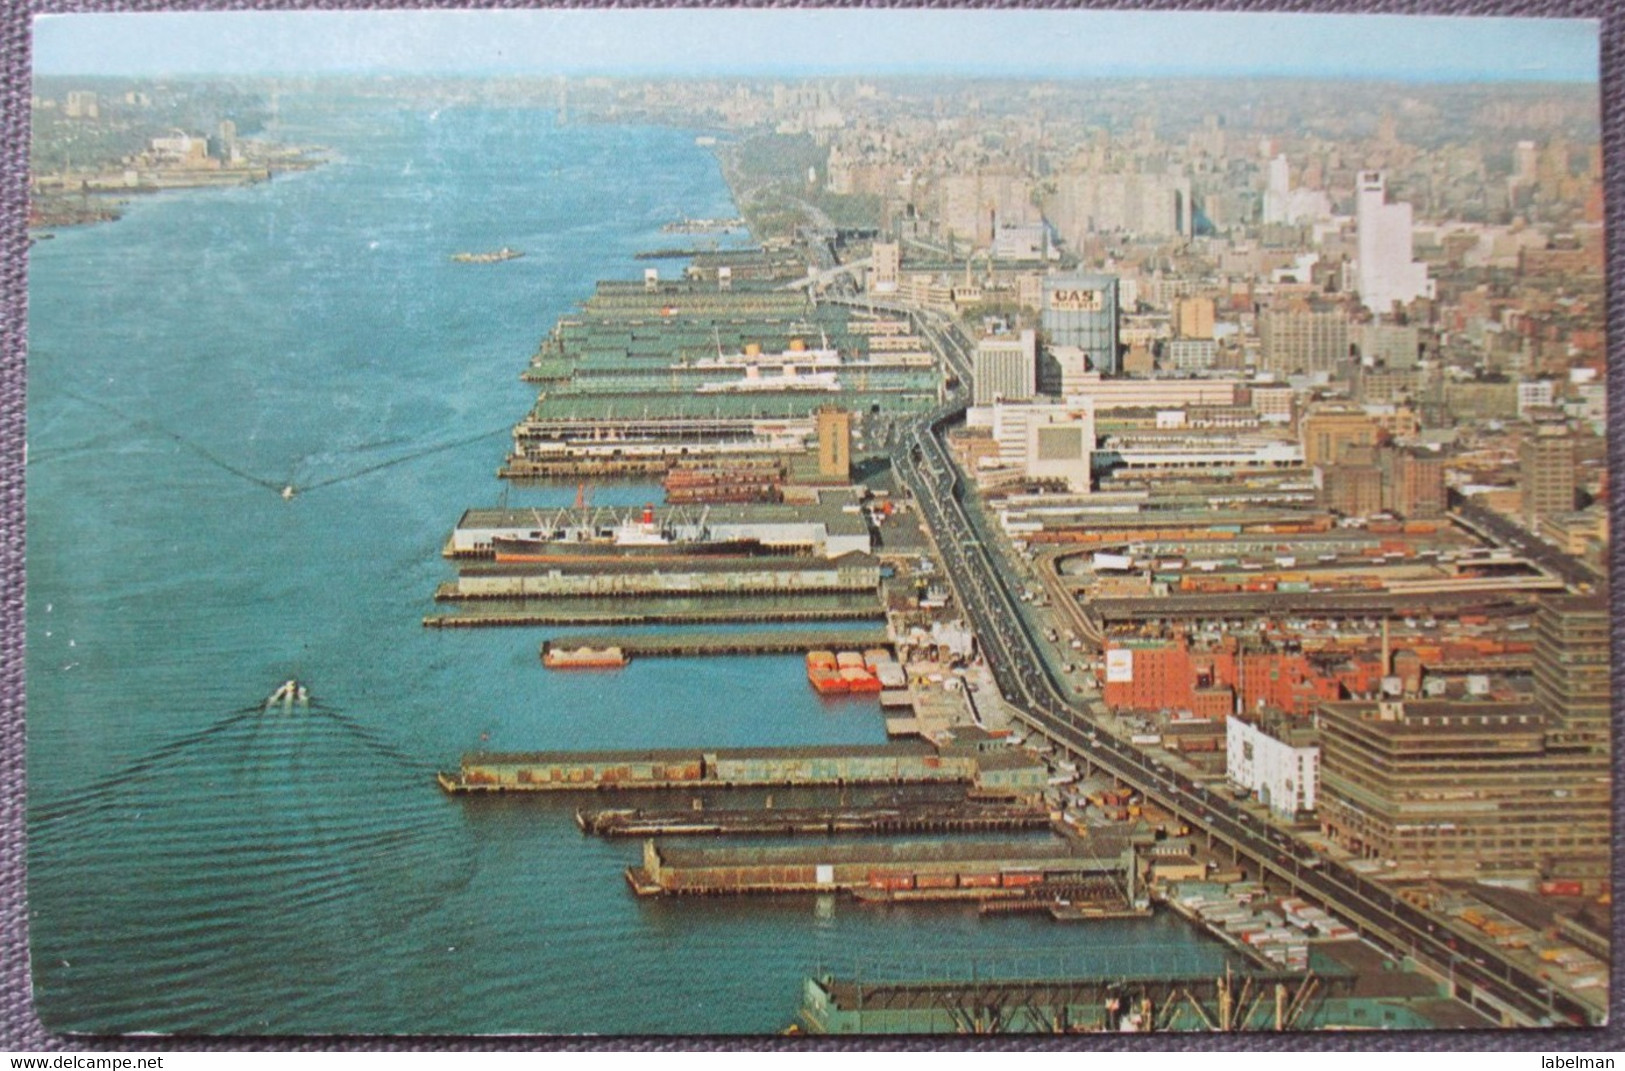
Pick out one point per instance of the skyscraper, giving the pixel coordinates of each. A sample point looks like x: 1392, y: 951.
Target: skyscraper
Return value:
x: 1386, y: 271
x: 1546, y: 462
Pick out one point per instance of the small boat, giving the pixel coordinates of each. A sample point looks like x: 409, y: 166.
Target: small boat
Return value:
x: 487, y: 258
x: 288, y: 694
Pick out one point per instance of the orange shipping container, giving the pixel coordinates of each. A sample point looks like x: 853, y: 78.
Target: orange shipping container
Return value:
x: 1019, y: 879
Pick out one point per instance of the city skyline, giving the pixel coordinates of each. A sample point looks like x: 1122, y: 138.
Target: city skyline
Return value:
x: 697, y: 43
x: 1196, y: 487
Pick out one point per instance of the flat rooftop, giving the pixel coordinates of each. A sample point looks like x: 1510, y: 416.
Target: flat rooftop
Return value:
x: 676, y: 565
x: 1104, y: 848
x: 830, y: 511
x: 902, y: 749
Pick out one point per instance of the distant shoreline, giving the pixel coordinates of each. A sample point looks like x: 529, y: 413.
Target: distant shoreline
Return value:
x: 57, y: 201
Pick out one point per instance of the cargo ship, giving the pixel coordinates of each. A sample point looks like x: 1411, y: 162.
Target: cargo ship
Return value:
x: 487, y: 258
x: 583, y: 657
x: 636, y: 539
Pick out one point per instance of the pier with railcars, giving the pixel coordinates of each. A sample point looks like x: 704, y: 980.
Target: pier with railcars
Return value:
x: 965, y: 816
x: 732, y: 614
x: 970, y: 870
x: 678, y: 576
x: 969, y: 756
x: 694, y: 644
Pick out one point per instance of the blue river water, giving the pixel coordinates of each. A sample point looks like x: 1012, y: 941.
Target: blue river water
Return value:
x: 197, y: 864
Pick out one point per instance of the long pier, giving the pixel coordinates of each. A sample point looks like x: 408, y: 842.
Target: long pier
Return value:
x: 697, y: 644
x: 886, y: 871
x: 910, y: 818
x: 900, y: 763
x: 451, y: 591
x: 557, y: 618
x: 993, y: 772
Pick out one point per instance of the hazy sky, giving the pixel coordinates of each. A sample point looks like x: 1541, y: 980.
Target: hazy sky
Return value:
x: 780, y: 42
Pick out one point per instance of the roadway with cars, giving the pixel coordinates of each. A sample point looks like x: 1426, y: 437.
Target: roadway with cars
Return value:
x: 1509, y: 534
x: 1477, y: 970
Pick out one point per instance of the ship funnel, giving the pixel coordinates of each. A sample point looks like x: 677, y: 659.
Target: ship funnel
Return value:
x: 648, y: 513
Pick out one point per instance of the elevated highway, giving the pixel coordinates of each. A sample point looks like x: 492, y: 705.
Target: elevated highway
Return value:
x: 1476, y: 971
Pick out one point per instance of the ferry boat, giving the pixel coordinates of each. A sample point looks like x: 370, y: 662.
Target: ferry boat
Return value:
x: 487, y: 258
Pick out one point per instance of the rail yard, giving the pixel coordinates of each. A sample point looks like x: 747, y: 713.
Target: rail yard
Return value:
x: 1057, y: 662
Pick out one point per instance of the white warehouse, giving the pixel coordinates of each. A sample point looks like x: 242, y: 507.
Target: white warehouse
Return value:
x: 1282, y: 771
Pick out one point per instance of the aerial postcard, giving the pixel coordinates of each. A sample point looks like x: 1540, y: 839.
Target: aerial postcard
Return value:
x: 821, y: 522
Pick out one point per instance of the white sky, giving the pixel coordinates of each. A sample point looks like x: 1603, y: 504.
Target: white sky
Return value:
x: 1015, y: 43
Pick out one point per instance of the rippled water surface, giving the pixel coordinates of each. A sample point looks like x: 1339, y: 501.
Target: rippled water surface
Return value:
x: 198, y: 863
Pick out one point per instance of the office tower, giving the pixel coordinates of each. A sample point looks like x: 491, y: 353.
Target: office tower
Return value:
x: 1006, y: 367
x: 1386, y: 271
x: 1299, y: 338
x: 1546, y: 461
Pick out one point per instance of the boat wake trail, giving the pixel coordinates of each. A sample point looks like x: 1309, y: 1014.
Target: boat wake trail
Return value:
x: 159, y: 430
x: 293, y: 834
x: 286, y: 488
x: 403, y: 459
x: 102, y: 792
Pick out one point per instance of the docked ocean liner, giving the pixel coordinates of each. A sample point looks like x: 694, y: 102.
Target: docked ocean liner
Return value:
x: 629, y: 538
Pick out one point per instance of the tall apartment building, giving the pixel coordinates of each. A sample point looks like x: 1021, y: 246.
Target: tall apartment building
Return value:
x: 1142, y: 203
x: 1193, y: 318
x: 974, y: 206
x: 1546, y: 473
x: 1005, y: 366
x: 1386, y: 271
x: 81, y: 104
x: 1302, y: 339
x: 1413, y: 483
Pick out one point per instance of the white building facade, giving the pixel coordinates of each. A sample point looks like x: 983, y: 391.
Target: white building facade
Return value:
x: 1284, y: 778
x: 1386, y: 271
